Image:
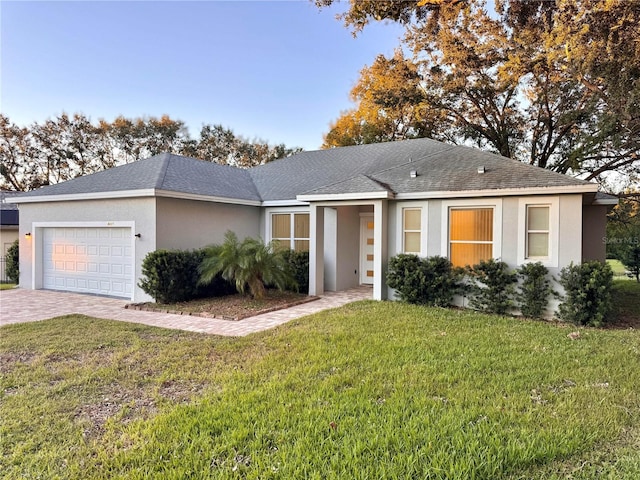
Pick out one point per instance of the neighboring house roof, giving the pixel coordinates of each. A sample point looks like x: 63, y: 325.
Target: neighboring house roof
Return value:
x: 602, y: 198
x: 9, y: 215
x: 380, y: 170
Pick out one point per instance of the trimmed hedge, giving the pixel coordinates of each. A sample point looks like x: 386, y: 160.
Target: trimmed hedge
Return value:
x: 587, y: 297
x: 299, y: 264
x: 423, y: 281
x: 492, y: 287
x: 12, y: 267
x: 171, y: 276
x: 534, y: 290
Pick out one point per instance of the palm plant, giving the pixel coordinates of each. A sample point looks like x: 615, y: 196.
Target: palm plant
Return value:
x: 248, y: 264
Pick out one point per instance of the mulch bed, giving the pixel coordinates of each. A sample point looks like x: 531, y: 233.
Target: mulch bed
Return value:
x: 230, y: 307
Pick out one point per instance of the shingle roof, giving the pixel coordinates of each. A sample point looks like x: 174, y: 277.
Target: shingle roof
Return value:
x: 167, y: 172
x: 440, y: 168
x: 348, y: 170
x: 286, y: 178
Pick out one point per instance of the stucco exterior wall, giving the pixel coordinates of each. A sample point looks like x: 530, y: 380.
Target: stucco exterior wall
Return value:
x: 140, y: 211
x: 594, y: 231
x: 508, y: 254
x: 567, y: 229
x: 570, y: 230
x: 187, y: 224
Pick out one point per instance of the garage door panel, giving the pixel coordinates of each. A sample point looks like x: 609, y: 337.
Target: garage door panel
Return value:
x: 92, y: 260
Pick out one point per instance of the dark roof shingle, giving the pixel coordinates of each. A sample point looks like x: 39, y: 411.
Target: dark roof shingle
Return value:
x: 358, y: 169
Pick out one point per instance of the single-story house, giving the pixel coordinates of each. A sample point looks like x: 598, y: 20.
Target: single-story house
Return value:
x: 352, y: 208
x: 9, y: 221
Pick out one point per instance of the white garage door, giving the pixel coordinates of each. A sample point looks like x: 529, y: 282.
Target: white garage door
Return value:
x: 90, y: 260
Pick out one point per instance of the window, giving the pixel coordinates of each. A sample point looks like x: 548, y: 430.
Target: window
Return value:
x: 537, y: 231
x: 411, y: 231
x: 284, y: 224
x: 470, y: 235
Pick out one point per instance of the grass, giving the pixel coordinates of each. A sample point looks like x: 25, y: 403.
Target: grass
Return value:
x: 619, y: 270
x: 626, y: 296
x: 7, y: 286
x: 370, y: 390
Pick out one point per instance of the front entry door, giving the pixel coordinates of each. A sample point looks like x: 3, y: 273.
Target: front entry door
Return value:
x: 366, y: 250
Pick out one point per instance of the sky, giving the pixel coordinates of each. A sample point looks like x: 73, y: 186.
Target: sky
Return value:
x: 278, y: 71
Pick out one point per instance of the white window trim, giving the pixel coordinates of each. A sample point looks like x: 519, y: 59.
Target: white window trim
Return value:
x: 291, y: 212
x: 423, y: 225
x: 554, y: 227
x: 494, y: 203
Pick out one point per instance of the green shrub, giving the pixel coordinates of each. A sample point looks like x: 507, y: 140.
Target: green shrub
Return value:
x: 171, y: 276
x: 423, y: 281
x: 492, y: 286
x: 587, y: 297
x: 299, y: 265
x: 534, y: 289
x: 249, y: 265
x: 12, y: 266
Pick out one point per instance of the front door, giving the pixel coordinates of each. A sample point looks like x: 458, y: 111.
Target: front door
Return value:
x: 366, y: 250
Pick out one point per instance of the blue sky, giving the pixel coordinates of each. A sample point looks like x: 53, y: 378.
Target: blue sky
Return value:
x: 279, y: 71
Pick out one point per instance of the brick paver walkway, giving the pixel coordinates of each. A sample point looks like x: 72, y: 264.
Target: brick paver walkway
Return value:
x: 18, y: 305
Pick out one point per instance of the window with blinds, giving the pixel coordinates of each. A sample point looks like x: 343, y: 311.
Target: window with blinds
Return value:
x: 291, y: 230
x: 470, y: 235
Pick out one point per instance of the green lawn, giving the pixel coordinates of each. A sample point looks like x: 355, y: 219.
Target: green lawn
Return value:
x: 370, y: 390
x: 619, y: 270
x: 7, y: 286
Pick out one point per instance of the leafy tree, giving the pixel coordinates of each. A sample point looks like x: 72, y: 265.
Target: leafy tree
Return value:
x: 250, y: 264
x: 555, y: 84
x: 220, y: 145
x: 19, y: 169
x: 66, y: 146
x: 389, y: 99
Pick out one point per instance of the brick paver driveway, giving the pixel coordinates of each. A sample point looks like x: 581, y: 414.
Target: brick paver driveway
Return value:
x: 18, y: 305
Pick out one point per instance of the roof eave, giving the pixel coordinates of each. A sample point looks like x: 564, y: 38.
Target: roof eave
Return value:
x: 324, y: 197
x: 567, y: 189
x: 284, y: 203
x: 151, y: 192
x: 69, y: 197
x: 207, y: 198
